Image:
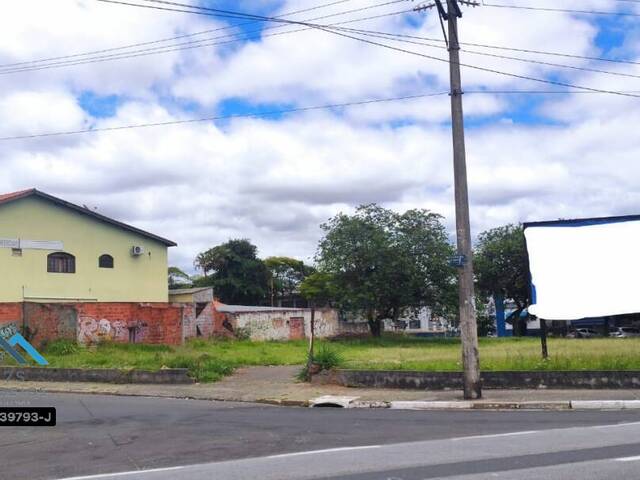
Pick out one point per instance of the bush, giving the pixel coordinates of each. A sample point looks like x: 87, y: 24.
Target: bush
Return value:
x: 62, y: 347
x: 242, y: 333
x: 203, y: 368
x: 328, y: 357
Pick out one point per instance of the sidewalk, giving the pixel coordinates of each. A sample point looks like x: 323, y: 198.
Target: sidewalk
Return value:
x: 277, y: 385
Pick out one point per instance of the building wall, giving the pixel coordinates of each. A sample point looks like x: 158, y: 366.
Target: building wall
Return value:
x: 133, y: 279
x: 90, y: 323
x: 283, y: 325
x: 10, y: 319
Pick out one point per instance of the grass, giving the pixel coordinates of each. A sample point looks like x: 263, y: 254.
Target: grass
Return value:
x: 210, y: 360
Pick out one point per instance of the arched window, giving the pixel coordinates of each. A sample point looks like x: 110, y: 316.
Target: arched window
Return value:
x: 60, y: 262
x: 105, y: 261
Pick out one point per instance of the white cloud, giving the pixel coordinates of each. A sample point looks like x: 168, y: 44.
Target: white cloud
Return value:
x: 274, y: 181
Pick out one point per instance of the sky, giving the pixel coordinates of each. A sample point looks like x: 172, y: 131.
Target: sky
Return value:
x: 274, y: 179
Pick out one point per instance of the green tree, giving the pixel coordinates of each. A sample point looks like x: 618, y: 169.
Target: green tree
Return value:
x: 178, y: 278
x: 385, y: 264
x: 235, y: 272
x: 501, y: 267
x: 286, y: 276
x: 319, y: 289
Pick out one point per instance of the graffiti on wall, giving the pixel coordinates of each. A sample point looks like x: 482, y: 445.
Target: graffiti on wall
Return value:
x: 91, y: 330
x: 8, y: 330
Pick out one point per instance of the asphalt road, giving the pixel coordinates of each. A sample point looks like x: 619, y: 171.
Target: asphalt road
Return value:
x: 105, y: 434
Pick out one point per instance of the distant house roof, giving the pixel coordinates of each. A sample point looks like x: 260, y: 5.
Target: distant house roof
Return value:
x: 221, y: 307
x: 186, y: 291
x: 32, y: 192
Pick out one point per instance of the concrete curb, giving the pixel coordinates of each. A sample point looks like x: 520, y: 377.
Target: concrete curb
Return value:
x: 605, y: 404
x: 353, y: 402
x: 426, y: 405
x: 168, y: 376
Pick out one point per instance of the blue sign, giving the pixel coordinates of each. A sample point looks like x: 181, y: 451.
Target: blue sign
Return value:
x: 457, y: 261
x: 17, y: 339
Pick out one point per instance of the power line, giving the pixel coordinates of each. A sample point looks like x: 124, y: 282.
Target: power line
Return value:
x: 484, y: 69
x: 224, y: 117
x: 296, y: 110
x: 205, y: 43
x: 505, y: 57
x: 390, y: 47
x: 178, y: 37
x: 562, y: 10
x: 511, y: 49
x: 200, y: 43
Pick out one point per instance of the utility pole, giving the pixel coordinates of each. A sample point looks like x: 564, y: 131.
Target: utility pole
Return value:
x: 464, y: 259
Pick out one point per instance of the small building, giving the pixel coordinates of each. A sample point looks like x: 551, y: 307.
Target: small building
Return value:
x: 198, y: 310
x: 71, y: 272
x: 274, y: 323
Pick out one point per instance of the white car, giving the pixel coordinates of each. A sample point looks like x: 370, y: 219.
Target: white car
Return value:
x: 624, y: 332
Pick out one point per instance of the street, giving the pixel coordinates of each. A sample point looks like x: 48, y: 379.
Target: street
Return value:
x: 106, y: 434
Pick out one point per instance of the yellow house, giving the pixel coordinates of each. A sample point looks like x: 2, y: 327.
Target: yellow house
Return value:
x: 54, y: 251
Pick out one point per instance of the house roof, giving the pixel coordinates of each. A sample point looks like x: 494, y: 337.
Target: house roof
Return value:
x: 222, y: 307
x: 583, y: 222
x: 32, y: 192
x: 183, y: 291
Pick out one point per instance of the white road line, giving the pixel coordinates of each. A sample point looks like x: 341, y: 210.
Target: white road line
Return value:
x: 510, y: 434
x: 122, y: 474
x: 624, y: 424
x: 628, y: 459
x: 328, y: 450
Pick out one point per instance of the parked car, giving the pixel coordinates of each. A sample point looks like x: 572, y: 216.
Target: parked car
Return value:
x: 624, y: 332
x: 582, y: 333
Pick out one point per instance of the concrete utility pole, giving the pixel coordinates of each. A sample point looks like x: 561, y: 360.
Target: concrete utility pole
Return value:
x: 464, y: 261
x: 466, y: 294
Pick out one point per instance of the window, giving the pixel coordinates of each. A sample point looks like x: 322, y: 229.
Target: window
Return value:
x: 16, y: 252
x: 60, y: 262
x: 105, y: 261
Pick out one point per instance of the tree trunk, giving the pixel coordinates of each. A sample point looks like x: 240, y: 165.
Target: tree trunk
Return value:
x: 374, y: 324
x: 311, y: 340
x: 543, y: 339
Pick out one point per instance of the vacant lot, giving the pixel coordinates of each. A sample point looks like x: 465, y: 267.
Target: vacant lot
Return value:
x: 210, y: 360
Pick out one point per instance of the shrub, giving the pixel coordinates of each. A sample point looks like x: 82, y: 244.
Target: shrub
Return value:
x: 328, y: 357
x: 62, y: 347
x: 203, y: 368
x: 242, y: 333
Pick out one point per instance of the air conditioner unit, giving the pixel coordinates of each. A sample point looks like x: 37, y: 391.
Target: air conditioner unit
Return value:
x: 137, y: 250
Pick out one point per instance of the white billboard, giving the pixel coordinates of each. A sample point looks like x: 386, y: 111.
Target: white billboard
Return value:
x: 584, y: 268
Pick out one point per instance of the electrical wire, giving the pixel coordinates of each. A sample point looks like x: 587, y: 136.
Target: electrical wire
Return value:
x: 163, y: 40
x: 225, y: 117
x: 511, y: 49
x: 295, y: 110
x: 199, y: 43
x: 561, y: 10
x: 505, y: 57
x: 390, y: 47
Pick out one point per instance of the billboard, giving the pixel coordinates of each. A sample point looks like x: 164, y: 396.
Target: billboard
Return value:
x: 584, y: 268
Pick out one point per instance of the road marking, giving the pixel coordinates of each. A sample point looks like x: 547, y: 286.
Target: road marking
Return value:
x: 122, y: 474
x: 628, y: 459
x: 624, y: 424
x: 328, y: 450
x: 525, y: 432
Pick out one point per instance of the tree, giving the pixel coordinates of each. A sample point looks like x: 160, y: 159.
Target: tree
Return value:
x: 178, y: 278
x: 318, y: 289
x: 235, y: 272
x: 501, y: 268
x: 286, y: 276
x: 384, y: 264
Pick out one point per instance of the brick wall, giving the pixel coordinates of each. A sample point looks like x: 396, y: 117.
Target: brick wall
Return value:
x: 130, y: 322
x: 285, y: 324
x: 94, y: 322
x: 10, y: 319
